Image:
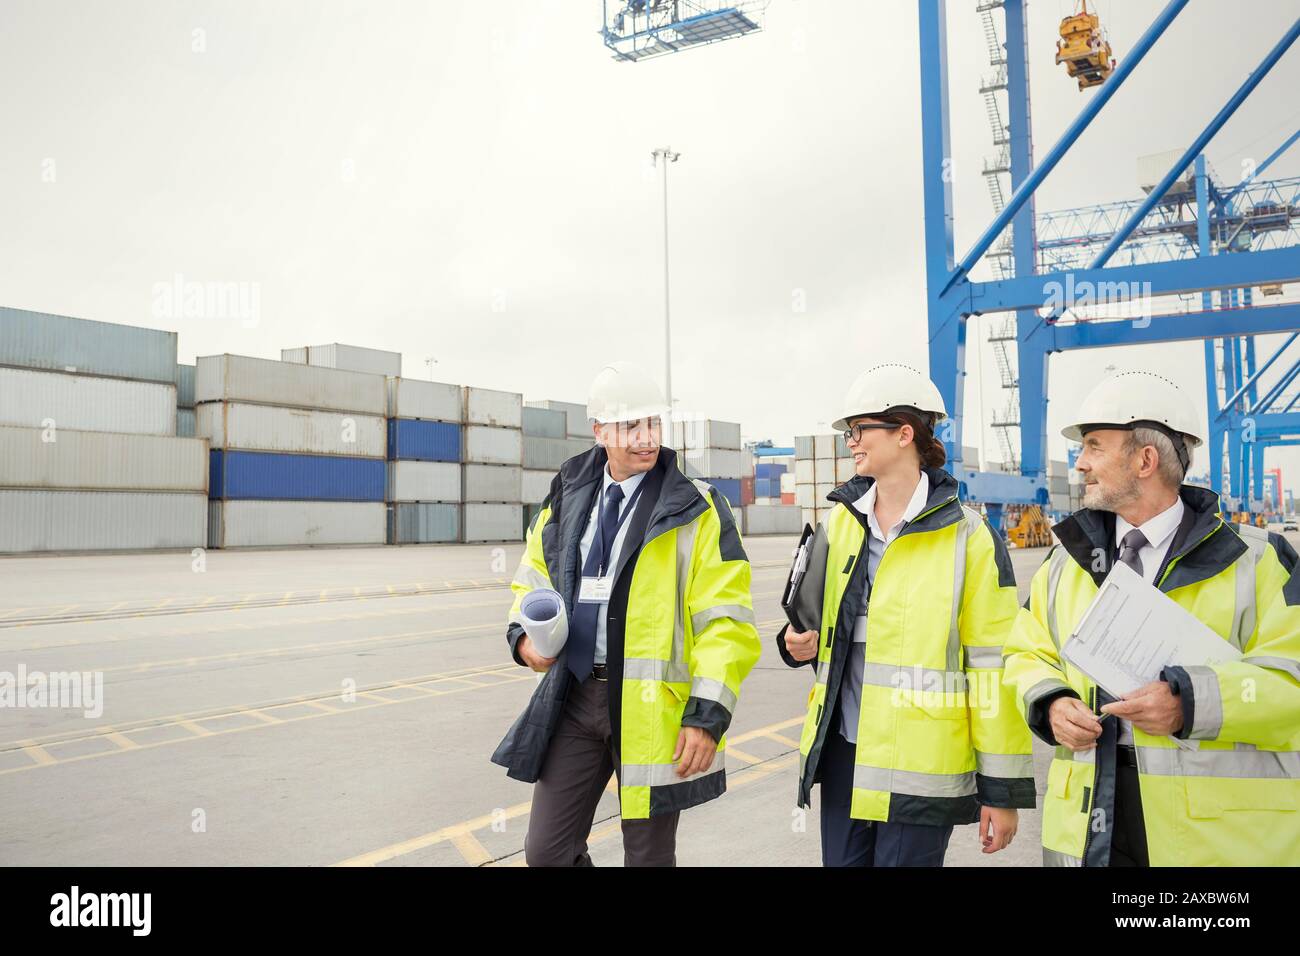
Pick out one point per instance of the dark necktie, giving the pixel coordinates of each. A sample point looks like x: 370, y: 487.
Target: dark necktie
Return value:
x: 582, y: 627
x: 1134, y: 541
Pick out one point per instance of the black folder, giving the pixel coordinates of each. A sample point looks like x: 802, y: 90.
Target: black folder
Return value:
x: 802, y: 597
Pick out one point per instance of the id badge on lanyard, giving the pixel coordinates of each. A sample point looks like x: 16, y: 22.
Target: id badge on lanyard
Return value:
x: 596, y: 590
x: 599, y: 589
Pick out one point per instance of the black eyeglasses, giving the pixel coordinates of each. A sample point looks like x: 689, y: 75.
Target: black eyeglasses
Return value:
x: 854, y: 432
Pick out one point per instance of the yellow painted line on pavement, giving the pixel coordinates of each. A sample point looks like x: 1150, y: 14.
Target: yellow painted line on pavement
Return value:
x: 384, y: 854
x: 475, y: 853
x: 738, y: 779
x: 44, y: 758
x: 40, y: 756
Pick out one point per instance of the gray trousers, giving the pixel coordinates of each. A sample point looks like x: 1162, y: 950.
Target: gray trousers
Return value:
x: 578, y: 766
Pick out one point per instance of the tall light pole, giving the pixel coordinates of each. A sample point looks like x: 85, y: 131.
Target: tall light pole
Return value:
x: 668, y: 156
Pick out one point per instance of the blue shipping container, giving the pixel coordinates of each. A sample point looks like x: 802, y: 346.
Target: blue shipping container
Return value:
x: 768, y: 469
x: 729, y: 488
x: 414, y: 439
x: 763, y: 487
x: 275, y: 477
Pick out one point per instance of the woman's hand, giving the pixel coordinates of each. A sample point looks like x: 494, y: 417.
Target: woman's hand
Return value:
x: 802, y: 647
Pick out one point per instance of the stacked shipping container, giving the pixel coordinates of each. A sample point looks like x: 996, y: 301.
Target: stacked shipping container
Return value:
x: 711, y: 450
x: 821, y: 463
x: 297, y: 452
x: 492, y: 451
x: 424, y: 471
x: 88, y: 454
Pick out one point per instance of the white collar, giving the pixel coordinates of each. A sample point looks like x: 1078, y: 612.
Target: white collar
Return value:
x: 1157, y: 529
x: 627, y: 484
x: 867, y: 506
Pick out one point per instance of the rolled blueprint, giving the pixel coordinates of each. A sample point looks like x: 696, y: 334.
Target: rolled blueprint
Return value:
x: 545, y: 620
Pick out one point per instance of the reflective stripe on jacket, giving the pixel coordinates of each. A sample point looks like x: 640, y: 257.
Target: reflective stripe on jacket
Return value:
x: 938, y: 734
x: 681, y: 634
x: 1235, y: 799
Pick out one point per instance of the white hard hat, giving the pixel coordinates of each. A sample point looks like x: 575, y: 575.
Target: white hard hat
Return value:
x: 884, y: 387
x: 1131, y: 399
x: 623, y: 392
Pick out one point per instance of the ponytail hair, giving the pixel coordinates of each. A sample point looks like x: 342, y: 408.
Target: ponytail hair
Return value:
x: 928, y: 448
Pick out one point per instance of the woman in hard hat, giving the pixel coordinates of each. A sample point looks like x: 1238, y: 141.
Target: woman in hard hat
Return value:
x: 908, y: 729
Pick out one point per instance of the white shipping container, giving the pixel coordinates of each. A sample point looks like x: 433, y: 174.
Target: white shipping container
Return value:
x: 33, y: 398
x: 536, y: 485
x: 702, y: 433
x: 544, y: 422
x: 485, y: 445
x: 423, y: 523
x: 578, y: 425
x: 290, y: 430
x: 714, y: 463
x: 776, y: 519
x: 351, y: 357
x: 803, y: 447
x: 805, y: 496
x: 44, y: 520
x: 813, y: 516
x: 824, y: 446
x: 238, y: 378
x: 423, y: 481
x: 484, y: 406
x: 101, y: 461
x: 551, y: 453
x: 844, y: 470
x: 820, y: 492
x: 184, y: 423
x: 804, y: 472
x: 254, y: 524
x: 788, y: 482
x: 824, y: 471
x: 62, y: 343
x: 493, y: 522
x: 434, y: 401
x: 492, y: 483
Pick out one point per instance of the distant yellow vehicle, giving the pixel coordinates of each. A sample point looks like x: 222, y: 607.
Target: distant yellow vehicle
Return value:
x: 1031, y: 530
x: 1084, y: 49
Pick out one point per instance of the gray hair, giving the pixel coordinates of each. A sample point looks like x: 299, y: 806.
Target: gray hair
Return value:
x: 1170, y: 469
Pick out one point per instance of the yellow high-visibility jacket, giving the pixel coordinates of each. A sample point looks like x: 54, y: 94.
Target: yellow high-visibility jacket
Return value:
x: 938, y: 734
x: 1235, y: 799
x: 680, y: 632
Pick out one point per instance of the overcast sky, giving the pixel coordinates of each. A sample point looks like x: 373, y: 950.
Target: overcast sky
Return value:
x: 470, y: 182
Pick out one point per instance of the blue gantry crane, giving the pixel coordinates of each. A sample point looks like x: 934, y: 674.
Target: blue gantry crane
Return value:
x: 1084, y: 277
x: 1189, y: 236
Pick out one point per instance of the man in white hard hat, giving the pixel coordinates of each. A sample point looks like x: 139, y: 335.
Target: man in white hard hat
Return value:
x: 661, y: 634
x: 1121, y: 792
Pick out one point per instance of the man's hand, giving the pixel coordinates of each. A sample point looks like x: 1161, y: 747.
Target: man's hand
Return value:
x: 1073, y: 724
x: 802, y: 647
x: 997, y: 828
x: 530, y: 657
x: 695, y: 751
x: 1152, y: 708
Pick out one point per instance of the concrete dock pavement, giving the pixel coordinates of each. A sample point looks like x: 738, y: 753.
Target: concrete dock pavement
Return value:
x: 354, y: 729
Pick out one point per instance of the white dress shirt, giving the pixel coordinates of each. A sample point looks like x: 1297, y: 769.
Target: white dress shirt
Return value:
x: 629, y: 485
x: 877, y: 541
x: 1159, y: 532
